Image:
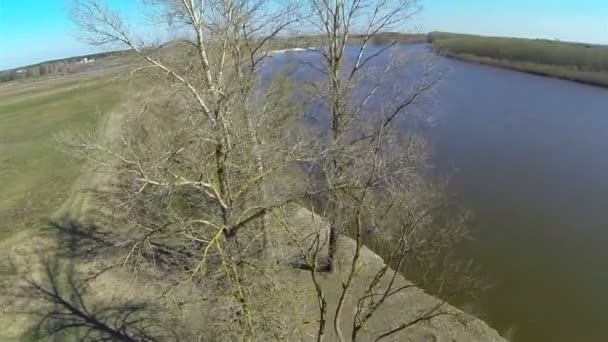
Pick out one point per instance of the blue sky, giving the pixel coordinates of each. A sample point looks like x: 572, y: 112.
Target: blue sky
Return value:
x: 570, y: 20
x: 34, y: 31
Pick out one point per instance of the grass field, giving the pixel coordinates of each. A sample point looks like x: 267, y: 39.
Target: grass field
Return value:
x: 35, y: 176
x: 578, y: 62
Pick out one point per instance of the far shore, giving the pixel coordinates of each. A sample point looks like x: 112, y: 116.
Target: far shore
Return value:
x: 578, y: 62
x: 562, y: 73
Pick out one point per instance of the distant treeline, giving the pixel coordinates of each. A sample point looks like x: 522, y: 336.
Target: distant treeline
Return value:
x: 63, y: 66
x: 39, y: 70
x: 585, y: 63
x: 394, y: 37
x: 380, y: 38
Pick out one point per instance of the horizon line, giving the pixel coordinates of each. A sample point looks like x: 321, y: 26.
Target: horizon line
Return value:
x: 65, y: 57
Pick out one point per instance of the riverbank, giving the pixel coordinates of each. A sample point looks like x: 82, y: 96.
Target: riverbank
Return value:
x: 582, y: 63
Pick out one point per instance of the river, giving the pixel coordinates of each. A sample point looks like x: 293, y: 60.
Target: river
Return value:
x: 531, y: 160
x: 528, y: 155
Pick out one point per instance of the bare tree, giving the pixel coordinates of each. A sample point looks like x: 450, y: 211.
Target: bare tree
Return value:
x: 338, y: 21
x: 375, y: 175
x: 193, y: 200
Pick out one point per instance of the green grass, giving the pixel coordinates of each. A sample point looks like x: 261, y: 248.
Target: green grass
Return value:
x: 572, y: 61
x: 35, y: 176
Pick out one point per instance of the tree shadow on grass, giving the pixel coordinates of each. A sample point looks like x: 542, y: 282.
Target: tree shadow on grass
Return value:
x: 81, y: 241
x: 86, y: 242
x: 63, y: 309
x: 62, y: 302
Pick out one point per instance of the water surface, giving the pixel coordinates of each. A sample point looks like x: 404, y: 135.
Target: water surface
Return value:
x: 531, y: 155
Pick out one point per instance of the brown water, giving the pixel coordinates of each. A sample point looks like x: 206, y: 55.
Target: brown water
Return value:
x: 531, y: 161
x: 531, y: 155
